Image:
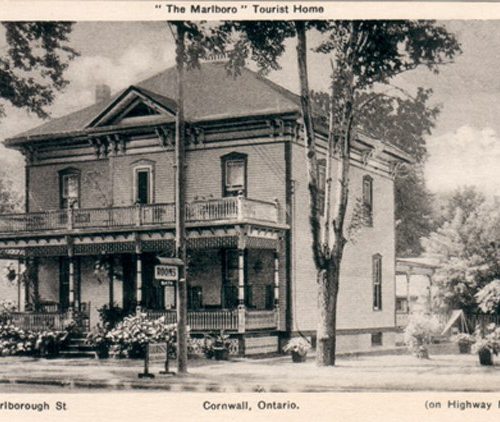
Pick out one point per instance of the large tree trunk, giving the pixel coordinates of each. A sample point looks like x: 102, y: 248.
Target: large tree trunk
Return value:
x: 328, y: 283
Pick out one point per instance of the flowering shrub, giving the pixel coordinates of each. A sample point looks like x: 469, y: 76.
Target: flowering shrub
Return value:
x: 463, y: 338
x: 15, y: 341
x: 488, y: 341
x: 488, y: 298
x: 297, y: 345
x: 418, y: 333
x: 6, y: 308
x: 130, y: 337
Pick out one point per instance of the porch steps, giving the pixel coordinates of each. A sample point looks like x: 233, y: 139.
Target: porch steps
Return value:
x: 77, y: 349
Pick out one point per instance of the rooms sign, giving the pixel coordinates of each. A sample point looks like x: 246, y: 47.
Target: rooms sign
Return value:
x: 167, y: 272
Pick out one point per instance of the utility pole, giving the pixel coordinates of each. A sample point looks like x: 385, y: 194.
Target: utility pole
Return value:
x: 180, y: 203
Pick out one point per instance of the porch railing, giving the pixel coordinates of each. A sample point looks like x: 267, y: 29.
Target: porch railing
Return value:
x: 38, y: 320
x: 258, y: 320
x: 224, y: 209
x: 223, y: 319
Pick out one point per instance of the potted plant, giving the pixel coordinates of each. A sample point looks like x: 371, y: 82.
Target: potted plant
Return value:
x: 298, y: 347
x: 464, y: 341
x: 216, y: 346
x: 487, y: 345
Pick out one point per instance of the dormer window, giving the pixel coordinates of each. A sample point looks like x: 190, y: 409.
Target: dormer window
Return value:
x: 234, y: 174
x: 69, y: 188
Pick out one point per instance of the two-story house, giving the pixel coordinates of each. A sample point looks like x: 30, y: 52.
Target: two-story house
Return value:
x: 100, y: 188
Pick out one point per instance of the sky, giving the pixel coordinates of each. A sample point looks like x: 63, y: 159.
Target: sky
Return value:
x: 464, y: 148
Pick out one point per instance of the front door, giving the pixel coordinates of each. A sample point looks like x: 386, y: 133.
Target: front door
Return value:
x: 64, y: 282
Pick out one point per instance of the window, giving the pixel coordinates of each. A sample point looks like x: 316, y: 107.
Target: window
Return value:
x: 143, y: 186
x: 234, y: 174
x: 321, y: 185
x: 368, y: 198
x: 401, y: 305
x: 69, y: 186
x: 377, y: 339
x: 377, y: 282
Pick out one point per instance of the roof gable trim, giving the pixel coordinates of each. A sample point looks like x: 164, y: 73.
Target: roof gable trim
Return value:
x: 128, y: 104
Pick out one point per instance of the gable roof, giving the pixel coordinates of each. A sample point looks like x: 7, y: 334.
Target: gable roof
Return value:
x: 210, y: 94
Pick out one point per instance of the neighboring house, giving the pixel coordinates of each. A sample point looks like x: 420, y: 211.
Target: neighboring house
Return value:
x: 100, y: 184
x: 413, y: 287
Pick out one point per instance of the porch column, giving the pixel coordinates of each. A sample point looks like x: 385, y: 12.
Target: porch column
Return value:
x: 31, y: 292
x: 138, y: 252
x: 71, y: 277
x: 111, y: 277
x: 276, y: 285
x: 241, y: 290
x: 408, y: 295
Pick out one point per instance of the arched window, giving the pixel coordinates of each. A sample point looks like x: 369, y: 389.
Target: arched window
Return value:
x: 69, y: 188
x: 234, y: 174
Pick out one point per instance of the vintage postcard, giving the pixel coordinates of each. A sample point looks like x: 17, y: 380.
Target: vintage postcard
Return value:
x: 249, y: 210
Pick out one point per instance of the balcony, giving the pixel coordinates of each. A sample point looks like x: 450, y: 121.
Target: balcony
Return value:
x: 225, y: 210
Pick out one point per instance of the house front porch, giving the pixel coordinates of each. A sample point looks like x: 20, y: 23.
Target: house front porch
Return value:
x: 236, y: 279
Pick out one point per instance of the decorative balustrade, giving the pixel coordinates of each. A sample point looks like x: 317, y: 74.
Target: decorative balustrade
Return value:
x: 225, y: 209
x: 222, y: 319
x: 258, y: 320
x: 38, y: 320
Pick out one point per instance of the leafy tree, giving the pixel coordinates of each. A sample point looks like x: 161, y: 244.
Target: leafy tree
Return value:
x: 468, y: 247
x: 10, y: 198
x: 363, y: 54
x: 32, y: 68
x: 403, y: 120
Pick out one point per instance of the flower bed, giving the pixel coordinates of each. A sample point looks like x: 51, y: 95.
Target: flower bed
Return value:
x: 130, y: 337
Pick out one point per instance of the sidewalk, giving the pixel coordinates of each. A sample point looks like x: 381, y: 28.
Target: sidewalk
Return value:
x: 400, y: 372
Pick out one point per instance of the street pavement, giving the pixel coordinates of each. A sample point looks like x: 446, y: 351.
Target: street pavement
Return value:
x: 356, y: 372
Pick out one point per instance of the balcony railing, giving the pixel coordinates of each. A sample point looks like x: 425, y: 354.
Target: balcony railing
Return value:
x: 225, y: 209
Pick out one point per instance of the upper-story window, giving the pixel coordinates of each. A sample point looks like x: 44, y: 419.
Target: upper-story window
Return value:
x: 234, y: 174
x: 377, y: 282
x: 69, y: 188
x: 321, y: 185
x: 143, y: 185
x: 368, y: 198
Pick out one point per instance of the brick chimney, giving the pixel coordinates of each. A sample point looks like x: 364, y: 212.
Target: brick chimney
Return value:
x: 102, y: 93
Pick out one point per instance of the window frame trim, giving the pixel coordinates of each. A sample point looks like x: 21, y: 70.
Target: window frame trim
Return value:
x: 69, y: 171
x: 234, y: 156
x: 377, y: 282
x: 149, y: 168
x: 368, y: 204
